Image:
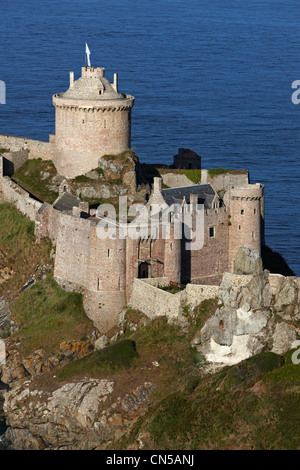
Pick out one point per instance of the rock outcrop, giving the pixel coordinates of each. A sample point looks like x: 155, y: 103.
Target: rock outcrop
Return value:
x: 74, y: 416
x: 256, y: 311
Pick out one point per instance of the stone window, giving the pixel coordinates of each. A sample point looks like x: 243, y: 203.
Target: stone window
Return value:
x: 171, y: 246
x: 242, y: 211
x: 108, y: 253
x: 239, y: 227
x: 211, y: 232
x: 254, y: 211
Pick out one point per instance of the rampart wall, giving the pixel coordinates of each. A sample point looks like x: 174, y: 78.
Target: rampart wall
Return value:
x: 154, y: 302
x: 12, y: 193
x: 224, y: 180
x: 35, y: 148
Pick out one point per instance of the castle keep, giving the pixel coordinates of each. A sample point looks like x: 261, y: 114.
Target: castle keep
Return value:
x: 92, y: 119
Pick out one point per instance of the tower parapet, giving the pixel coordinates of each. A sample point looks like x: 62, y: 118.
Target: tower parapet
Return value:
x: 92, y: 118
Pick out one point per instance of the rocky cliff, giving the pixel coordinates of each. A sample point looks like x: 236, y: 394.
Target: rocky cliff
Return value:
x: 93, y: 407
x: 256, y: 311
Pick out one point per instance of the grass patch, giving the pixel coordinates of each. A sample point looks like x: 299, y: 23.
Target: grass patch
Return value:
x: 193, y: 175
x: 170, y: 289
x: 217, y: 171
x: 106, y: 361
x: 18, y: 251
x: 48, y: 315
x: 82, y: 179
x: 29, y: 176
x: 247, y: 372
x: 286, y: 378
x: 207, y: 415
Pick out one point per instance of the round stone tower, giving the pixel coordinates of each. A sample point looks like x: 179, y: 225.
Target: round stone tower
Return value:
x: 92, y: 118
x: 246, y: 213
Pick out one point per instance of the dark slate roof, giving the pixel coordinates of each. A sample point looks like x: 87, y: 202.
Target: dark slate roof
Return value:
x: 66, y: 202
x: 205, y: 192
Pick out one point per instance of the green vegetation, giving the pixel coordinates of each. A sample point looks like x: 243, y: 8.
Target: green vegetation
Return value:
x: 193, y: 175
x: 106, y: 361
x: 217, y: 171
x: 14, y: 226
x: 33, y: 177
x: 3, y: 150
x: 18, y: 251
x: 100, y: 171
x: 115, y: 181
x: 230, y: 409
x: 123, y: 156
x: 48, y: 315
x: 82, y: 179
x: 171, y: 289
x: 252, y: 405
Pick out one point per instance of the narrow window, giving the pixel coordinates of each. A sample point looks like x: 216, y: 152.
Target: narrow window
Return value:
x: 98, y: 284
x: 254, y: 211
x: 239, y: 227
x: 108, y: 253
x: 104, y: 124
x: 171, y: 246
x: 242, y: 211
x: 211, y: 232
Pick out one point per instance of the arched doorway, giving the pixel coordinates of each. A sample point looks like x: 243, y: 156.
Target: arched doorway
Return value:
x: 144, y: 270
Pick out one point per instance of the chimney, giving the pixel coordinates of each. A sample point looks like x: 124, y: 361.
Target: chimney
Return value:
x: 193, y: 201
x: 71, y: 79
x: 115, y: 83
x: 157, y: 185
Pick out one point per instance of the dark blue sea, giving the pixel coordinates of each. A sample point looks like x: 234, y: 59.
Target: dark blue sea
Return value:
x: 212, y: 75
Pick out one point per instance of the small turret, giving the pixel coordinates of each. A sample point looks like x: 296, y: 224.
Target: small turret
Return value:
x: 246, y: 209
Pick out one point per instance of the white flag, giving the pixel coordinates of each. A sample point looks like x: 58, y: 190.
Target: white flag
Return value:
x: 88, y: 53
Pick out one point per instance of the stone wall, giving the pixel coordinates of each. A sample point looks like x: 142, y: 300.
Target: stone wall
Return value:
x: 212, y: 258
x: 12, y: 193
x: 46, y: 223
x: 176, y: 180
x: 12, y: 161
x: 103, y: 307
x: 35, y: 148
x: 195, y: 294
x: 225, y: 180
x: 245, y: 211
x: 154, y: 302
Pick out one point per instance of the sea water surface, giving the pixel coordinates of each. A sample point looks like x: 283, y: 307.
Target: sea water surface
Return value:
x: 212, y: 75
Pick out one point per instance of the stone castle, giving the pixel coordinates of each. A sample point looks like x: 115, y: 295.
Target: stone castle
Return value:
x: 93, y: 119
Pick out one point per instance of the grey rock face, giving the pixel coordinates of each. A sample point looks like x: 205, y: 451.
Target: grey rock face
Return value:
x: 101, y: 342
x: 283, y: 338
x: 246, y: 321
x: 247, y: 261
x: 74, y: 416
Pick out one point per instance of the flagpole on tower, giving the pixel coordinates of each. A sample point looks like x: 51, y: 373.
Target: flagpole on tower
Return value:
x: 87, y: 56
